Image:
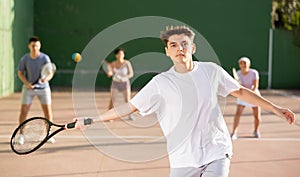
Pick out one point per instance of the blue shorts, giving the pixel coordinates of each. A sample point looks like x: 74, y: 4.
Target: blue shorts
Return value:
x: 44, y: 95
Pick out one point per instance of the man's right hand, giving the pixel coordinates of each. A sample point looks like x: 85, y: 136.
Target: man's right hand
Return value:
x: 82, y: 123
x: 29, y: 86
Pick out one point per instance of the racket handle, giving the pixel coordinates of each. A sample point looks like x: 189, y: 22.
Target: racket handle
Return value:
x: 88, y: 121
x: 71, y: 125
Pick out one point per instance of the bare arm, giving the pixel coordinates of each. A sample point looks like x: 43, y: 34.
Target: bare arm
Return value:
x: 114, y: 113
x: 252, y: 98
x: 109, y: 71
x: 24, y: 80
x: 255, y: 84
x: 130, y: 70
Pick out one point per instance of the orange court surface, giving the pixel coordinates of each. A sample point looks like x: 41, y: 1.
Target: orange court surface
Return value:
x: 275, y: 154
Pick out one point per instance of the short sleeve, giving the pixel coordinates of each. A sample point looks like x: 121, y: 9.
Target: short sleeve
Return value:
x: 147, y: 99
x: 22, y: 64
x: 226, y: 84
x: 47, y: 59
x: 256, y: 75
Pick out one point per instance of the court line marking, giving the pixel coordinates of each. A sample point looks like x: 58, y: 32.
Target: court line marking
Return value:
x: 285, y: 94
x: 97, y: 137
x: 156, y: 137
x: 268, y: 139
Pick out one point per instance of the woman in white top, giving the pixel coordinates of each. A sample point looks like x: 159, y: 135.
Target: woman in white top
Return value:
x: 248, y: 78
x: 121, y: 71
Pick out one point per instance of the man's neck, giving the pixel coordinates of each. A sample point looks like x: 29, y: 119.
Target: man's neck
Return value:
x: 184, y: 67
x: 34, y: 55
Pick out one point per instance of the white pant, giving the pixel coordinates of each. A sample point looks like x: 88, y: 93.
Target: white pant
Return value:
x: 217, y: 168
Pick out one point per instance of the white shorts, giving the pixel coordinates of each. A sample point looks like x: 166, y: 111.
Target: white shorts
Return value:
x: 218, y: 168
x: 44, y: 95
x: 243, y: 103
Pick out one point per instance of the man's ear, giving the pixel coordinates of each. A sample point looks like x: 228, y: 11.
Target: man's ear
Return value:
x: 166, y: 50
x: 193, y: 48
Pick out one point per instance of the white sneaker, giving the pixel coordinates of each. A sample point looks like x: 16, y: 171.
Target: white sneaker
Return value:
x: 20, y: 139
x: 256, y: 134
x: 234, y: 136
x: 130, y: 118
x: 51, y: 140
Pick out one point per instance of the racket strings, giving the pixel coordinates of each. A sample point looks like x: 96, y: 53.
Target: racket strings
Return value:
x: 31, y: 135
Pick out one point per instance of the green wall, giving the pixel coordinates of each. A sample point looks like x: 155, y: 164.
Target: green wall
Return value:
x: 233, y: 29
x: 286, y: 60
x: 6, y: 49
x: 16, y: 25
x: 22, y: 29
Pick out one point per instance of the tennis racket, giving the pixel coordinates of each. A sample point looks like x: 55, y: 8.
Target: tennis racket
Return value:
x: 47, y: 74
x: 235, y: 75
x: 106, y: 68
x: 36, y: 131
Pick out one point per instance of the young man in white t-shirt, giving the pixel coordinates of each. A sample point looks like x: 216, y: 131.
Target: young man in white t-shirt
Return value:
x: 184, y: 99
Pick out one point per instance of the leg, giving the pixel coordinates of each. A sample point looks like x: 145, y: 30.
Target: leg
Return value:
x: 239, y: 110
x: 22, y: 117
x: 127, y: 97
x: 127, y: 94
x: 24, y: 112
x: 257, y: 117
x: 217, y: 168
x: 45, y: 99
x: 27, y: 97
x: 47, y: 109
x: 114, y: 96
x: 110, y: 105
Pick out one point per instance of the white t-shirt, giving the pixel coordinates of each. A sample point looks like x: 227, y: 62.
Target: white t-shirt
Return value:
x: 189, y: 114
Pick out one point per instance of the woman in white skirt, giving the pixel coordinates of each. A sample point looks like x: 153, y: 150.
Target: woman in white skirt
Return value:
x: 120, y: 71
x: 248, y: 78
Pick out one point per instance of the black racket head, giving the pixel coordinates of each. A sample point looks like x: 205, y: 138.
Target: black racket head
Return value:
x: 30, y: 135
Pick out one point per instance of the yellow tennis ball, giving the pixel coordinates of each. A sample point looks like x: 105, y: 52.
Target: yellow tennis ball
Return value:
x: 76, y: 57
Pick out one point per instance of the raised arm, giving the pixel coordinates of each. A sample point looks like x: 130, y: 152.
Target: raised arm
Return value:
x: 109, y: 69
x: 252, y: 98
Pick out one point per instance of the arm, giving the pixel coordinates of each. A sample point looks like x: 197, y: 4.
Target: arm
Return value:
x: 252, y: 98
x: 255, y: 84
x: 114, y: 113
x: 24, y: 80
x: 130, y: 70
x: 109, y: 71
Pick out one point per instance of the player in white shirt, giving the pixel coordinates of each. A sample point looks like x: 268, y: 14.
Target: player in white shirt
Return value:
x: 185, y: 102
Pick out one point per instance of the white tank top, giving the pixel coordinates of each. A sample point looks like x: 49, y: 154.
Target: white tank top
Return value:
x: 120, y: 74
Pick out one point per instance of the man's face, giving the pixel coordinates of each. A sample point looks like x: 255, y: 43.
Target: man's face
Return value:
x: 180, y: 48
x: 34, y: 47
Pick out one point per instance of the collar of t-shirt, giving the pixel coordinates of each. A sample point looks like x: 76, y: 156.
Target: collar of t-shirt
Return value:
x: 182, y: 75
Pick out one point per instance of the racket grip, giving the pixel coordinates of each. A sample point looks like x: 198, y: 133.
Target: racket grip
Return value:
x: 71, y: 125
x: 88, y: 121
